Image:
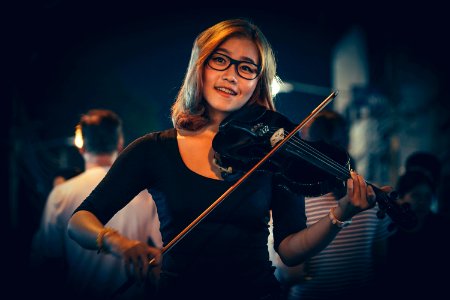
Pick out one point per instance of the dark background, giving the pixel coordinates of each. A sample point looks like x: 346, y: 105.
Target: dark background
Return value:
x: 62, y: 58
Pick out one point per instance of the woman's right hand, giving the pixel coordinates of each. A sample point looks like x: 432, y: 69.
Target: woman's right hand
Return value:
x: 138, y: 257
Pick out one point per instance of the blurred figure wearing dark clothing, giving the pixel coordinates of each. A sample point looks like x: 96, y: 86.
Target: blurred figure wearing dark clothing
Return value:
x: 431, y: 166
x: 417, y: 258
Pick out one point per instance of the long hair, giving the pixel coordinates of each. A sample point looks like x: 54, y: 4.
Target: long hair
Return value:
x: 189, y: 111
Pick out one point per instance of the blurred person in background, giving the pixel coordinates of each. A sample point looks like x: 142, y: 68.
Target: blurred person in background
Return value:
x: 418, y: 257
x: 62, y: 268
x: 430, y: 165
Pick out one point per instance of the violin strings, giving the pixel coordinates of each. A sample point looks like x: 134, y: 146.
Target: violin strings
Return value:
x: 311, y: 151
x: 303, y: 146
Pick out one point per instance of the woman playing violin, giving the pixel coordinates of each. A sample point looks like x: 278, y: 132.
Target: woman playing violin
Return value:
x: 225, y: 257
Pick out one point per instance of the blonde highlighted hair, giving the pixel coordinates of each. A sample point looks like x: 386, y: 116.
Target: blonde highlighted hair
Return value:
x: 188, y: 110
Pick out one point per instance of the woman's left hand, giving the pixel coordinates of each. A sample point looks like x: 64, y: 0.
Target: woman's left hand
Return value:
x: 360, y: 196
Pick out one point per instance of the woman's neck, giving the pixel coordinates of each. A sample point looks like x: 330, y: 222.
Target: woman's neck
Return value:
x: 216, y: 117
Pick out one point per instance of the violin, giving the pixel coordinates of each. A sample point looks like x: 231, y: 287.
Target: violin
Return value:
x: 304, y: 167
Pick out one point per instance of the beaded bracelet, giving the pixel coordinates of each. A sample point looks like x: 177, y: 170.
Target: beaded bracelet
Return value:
x: 336, y: 221
x: 101, y: 236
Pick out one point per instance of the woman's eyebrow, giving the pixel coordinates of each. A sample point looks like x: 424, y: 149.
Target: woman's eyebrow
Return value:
x: 244, y: 58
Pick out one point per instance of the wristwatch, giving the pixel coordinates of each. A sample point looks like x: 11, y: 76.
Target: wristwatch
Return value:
x: 335, y: 221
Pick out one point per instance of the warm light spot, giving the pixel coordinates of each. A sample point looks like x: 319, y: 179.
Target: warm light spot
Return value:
x: 276, y: 85
x: 78, y: 140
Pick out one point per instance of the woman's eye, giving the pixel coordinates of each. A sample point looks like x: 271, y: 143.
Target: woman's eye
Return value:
x: 248, y: 69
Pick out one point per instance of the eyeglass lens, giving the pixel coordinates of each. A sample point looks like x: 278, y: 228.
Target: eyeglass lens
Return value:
x: 221, y: 62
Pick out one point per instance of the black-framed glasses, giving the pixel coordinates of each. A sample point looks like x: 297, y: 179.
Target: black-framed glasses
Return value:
x: 245, y: 69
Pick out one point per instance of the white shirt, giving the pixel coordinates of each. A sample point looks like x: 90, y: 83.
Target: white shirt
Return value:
x: 89, y: 272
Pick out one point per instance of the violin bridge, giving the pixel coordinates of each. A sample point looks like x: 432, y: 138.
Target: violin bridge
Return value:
x: 277, y: 137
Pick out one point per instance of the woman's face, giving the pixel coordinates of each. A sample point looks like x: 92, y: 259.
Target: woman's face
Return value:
x: 225, y: 91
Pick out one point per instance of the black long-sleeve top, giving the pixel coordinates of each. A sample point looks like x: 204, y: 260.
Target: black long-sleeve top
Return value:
x: 227, y: 251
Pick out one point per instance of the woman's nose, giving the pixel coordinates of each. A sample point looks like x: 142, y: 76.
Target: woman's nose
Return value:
x: 230, y: 74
